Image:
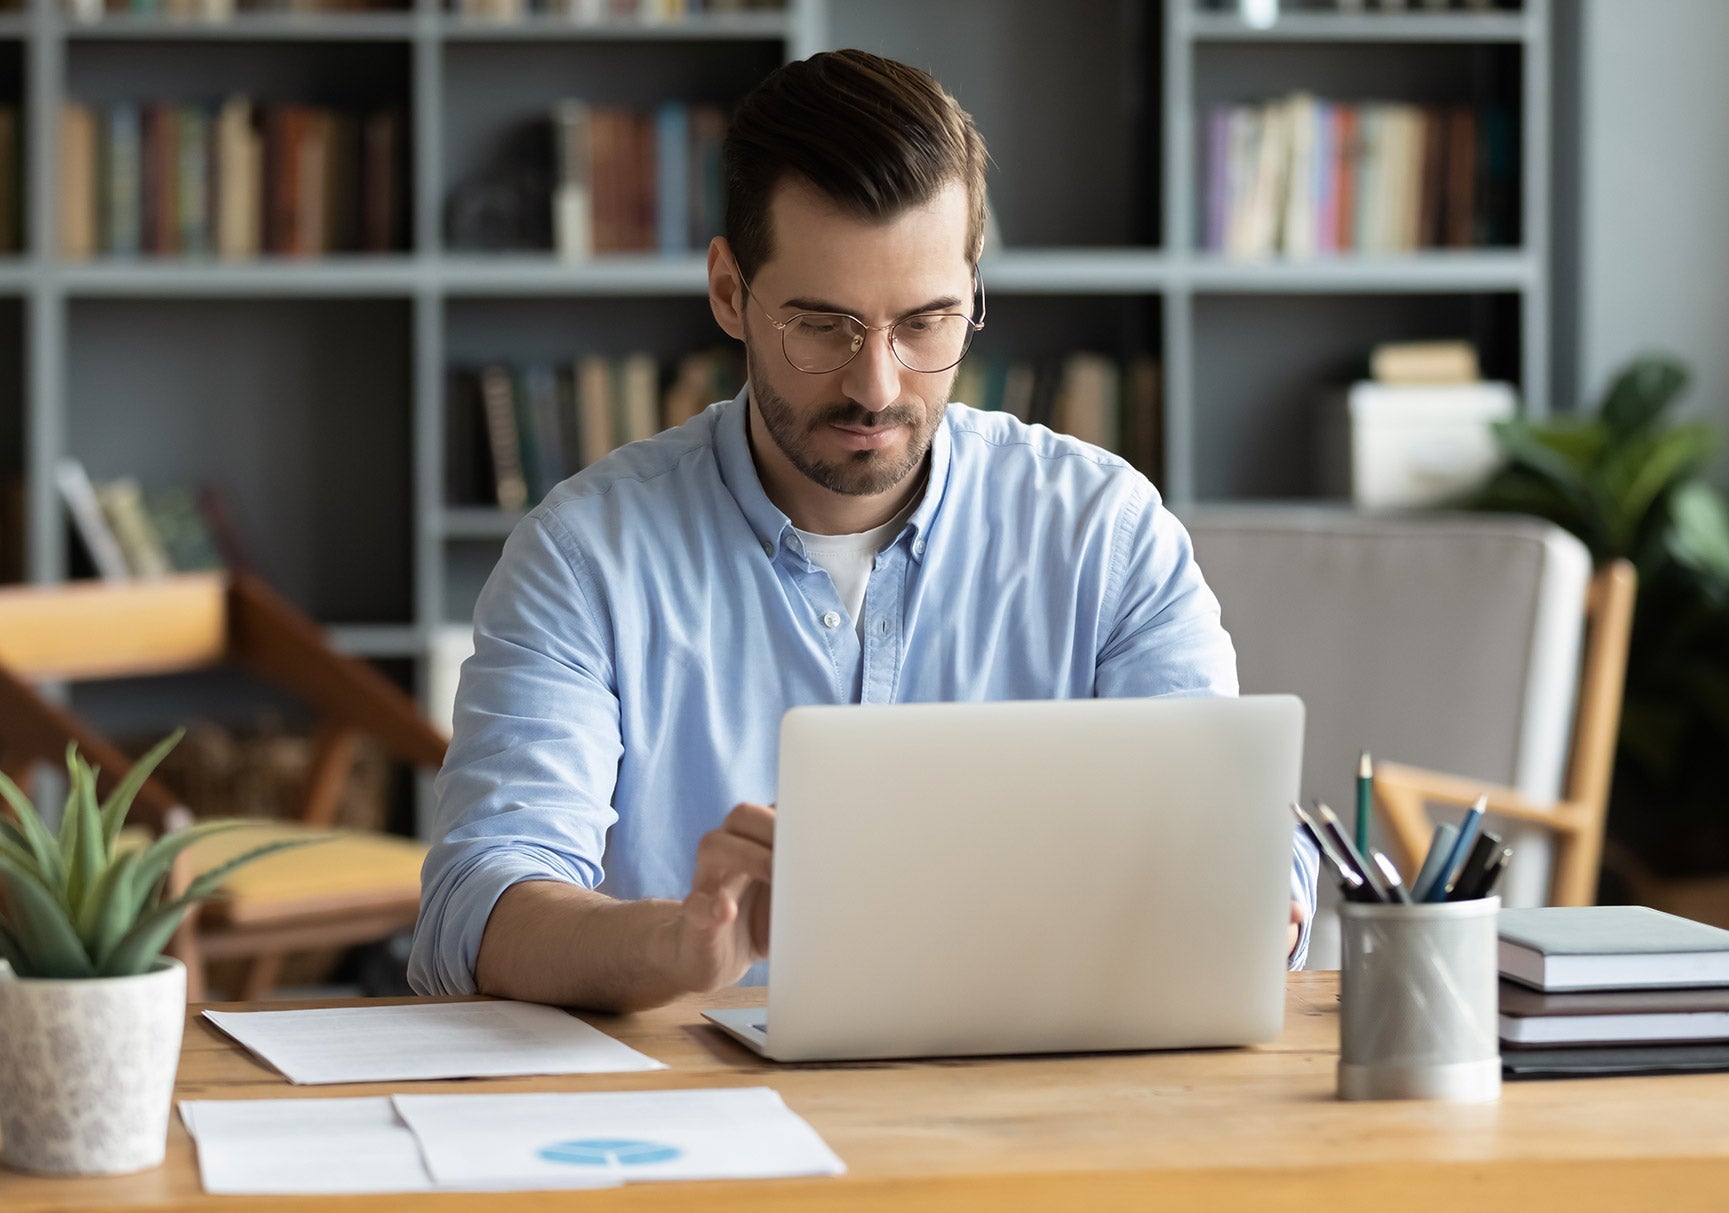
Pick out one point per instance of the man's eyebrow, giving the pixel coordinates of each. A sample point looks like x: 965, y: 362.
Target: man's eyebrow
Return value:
x: 805, y: 303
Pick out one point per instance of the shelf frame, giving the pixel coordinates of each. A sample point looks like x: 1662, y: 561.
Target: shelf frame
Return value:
x: 431, y: 278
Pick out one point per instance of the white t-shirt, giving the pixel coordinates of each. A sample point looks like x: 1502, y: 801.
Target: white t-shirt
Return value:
x: 849, y: 559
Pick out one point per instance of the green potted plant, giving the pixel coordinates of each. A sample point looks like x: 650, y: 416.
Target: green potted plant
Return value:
x: 90, y: 1010
x: 1631, y: 483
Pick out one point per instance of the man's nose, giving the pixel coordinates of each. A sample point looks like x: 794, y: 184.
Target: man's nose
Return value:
x: 873, y: 377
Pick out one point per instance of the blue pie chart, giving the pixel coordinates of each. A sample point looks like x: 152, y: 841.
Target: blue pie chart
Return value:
x: 609, y: 1152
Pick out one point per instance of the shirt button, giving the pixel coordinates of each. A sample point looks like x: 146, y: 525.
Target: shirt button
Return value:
x: 831, y: 619
x: 767, y: 548
x: 918, y: 547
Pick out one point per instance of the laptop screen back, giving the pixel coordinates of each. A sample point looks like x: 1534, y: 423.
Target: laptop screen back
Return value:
x: 1026, y: 877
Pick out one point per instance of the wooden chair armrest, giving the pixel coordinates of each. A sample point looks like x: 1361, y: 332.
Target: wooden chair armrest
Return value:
x: 1403, y: 795
x: 1437, y: 788
x: 273, y: 638
x: 35, y: 728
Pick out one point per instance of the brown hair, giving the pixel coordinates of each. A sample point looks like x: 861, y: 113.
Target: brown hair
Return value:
x: 874, y: 136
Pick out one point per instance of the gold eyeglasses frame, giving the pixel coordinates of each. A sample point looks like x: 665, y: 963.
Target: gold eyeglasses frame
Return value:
x: 781, y: 326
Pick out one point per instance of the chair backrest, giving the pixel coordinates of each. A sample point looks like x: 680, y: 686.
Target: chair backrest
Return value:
x: 1446, y: 641
x: 95, y: 630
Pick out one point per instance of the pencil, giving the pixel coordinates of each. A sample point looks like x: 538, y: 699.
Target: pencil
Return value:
x: 1365, y: 777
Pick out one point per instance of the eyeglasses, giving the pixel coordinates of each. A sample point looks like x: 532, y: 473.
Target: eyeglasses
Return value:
x: 820, y: 343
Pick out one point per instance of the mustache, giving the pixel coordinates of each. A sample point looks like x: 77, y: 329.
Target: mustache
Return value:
x: 859, y: 417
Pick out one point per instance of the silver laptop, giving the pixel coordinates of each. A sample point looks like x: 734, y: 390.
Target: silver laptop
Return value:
x: 1029, y: 877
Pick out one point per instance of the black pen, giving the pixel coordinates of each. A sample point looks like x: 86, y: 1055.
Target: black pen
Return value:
x: 1493, y: 873
x: 1342, y: 841
x: 1350, y: 882
x: 1469, y: 881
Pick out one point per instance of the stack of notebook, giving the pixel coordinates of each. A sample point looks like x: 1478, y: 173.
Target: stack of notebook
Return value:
x: 1612, y: 990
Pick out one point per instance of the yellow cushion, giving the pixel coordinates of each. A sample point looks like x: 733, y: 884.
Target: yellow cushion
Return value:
x: 338, y: 870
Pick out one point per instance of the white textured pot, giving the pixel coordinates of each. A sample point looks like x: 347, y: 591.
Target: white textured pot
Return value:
x: 87, y: 1070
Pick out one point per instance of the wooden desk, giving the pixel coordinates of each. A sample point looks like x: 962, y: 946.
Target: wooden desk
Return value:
x: 1239, y: 1128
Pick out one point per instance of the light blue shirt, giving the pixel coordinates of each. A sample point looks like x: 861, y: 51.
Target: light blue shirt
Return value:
x: 651, y: 621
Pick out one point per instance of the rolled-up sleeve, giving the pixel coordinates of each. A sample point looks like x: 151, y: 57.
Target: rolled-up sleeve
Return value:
x: 1305, y: 870
x: 527, y: 785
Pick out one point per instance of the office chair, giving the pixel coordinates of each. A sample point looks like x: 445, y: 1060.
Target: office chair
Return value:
x: 1482, y: 646
x: 351, y: 888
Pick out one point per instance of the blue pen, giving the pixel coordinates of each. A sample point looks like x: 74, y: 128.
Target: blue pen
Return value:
x: 1461, y: 848
x: 1440, y: 846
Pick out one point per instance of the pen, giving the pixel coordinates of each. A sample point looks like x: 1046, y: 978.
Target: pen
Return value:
x: 1461, y: 847
x: 1440, y: 846
x: 1391, y: 875
x: 1471, y: 875
x: 1493, y: 873
x: 1342, y: 841
x: 1351, y: 883
x: 1365, y: 780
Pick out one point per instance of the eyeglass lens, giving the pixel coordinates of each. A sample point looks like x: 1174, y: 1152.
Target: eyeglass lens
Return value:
x: 819, y: 342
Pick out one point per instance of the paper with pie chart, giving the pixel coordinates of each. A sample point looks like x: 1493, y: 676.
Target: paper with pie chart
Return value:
x: 547, y: 1140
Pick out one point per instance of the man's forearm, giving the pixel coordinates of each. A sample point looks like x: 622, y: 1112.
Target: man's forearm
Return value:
x: 569, y: 946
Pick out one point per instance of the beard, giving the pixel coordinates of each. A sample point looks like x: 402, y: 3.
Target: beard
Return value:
x: 859, y: 473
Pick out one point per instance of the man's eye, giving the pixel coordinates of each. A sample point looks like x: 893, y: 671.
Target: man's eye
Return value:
x: 813, y: 327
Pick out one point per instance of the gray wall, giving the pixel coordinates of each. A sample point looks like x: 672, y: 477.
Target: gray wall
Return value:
x: 1652, y: 169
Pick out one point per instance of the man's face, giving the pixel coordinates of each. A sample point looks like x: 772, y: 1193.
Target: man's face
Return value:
x: 862, y: 430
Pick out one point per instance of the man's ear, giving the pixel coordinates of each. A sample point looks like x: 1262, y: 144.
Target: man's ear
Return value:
x: 725, y: 289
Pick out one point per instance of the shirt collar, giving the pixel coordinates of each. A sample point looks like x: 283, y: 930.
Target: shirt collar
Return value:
x: 738, y: 473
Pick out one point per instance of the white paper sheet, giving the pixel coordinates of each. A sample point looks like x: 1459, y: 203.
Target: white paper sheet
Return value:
x: 427, y: 1040
x: 545, y: 1140
x: 303, y: 1147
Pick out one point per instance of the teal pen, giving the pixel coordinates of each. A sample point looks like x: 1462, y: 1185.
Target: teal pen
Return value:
x: 1440, y: 847
x: 1365, y: 779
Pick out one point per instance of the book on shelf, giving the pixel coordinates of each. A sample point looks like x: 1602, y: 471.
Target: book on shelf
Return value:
x: 1303, y: 176
x: 217, y: 509
x: 1531, y: 1017
x: 1424, y: 362
x: 122, y: 504
x: 233, y: 180
x: 11, y: 183
x: 11, y: 528
x: 1557, y: 948
x: 78, y: 181
x: 92, y: 11
x: 514, y: 432
x: 92, y: 528
x: 597, y: 12
x: 1113, y: 404
x: 625, y: 180
x: 503, y: 438
x: 573, y: 181
x: 128, y: 531
x: 183, y: 529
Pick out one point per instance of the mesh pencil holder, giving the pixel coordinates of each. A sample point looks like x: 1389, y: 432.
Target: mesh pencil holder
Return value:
x: 1418, y: 1001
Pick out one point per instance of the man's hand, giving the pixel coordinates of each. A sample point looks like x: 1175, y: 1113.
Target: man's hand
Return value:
x: 723, y: 923
x: 1296, y: 931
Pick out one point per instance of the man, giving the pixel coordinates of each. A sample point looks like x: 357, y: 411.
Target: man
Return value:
x: 837, y: 533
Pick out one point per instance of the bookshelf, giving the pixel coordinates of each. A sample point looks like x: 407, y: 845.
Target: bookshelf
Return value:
x: 315, y: 389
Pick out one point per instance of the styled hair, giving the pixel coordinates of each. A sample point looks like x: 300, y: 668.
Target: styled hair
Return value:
x: 875, y: 136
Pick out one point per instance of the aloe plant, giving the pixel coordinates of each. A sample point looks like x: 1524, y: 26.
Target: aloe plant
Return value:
x: 76, y: 903
x: 1631, y: 484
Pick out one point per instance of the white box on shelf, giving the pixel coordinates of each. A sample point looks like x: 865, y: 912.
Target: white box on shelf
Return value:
x: 1396, y: 445
x: 449, y: 646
